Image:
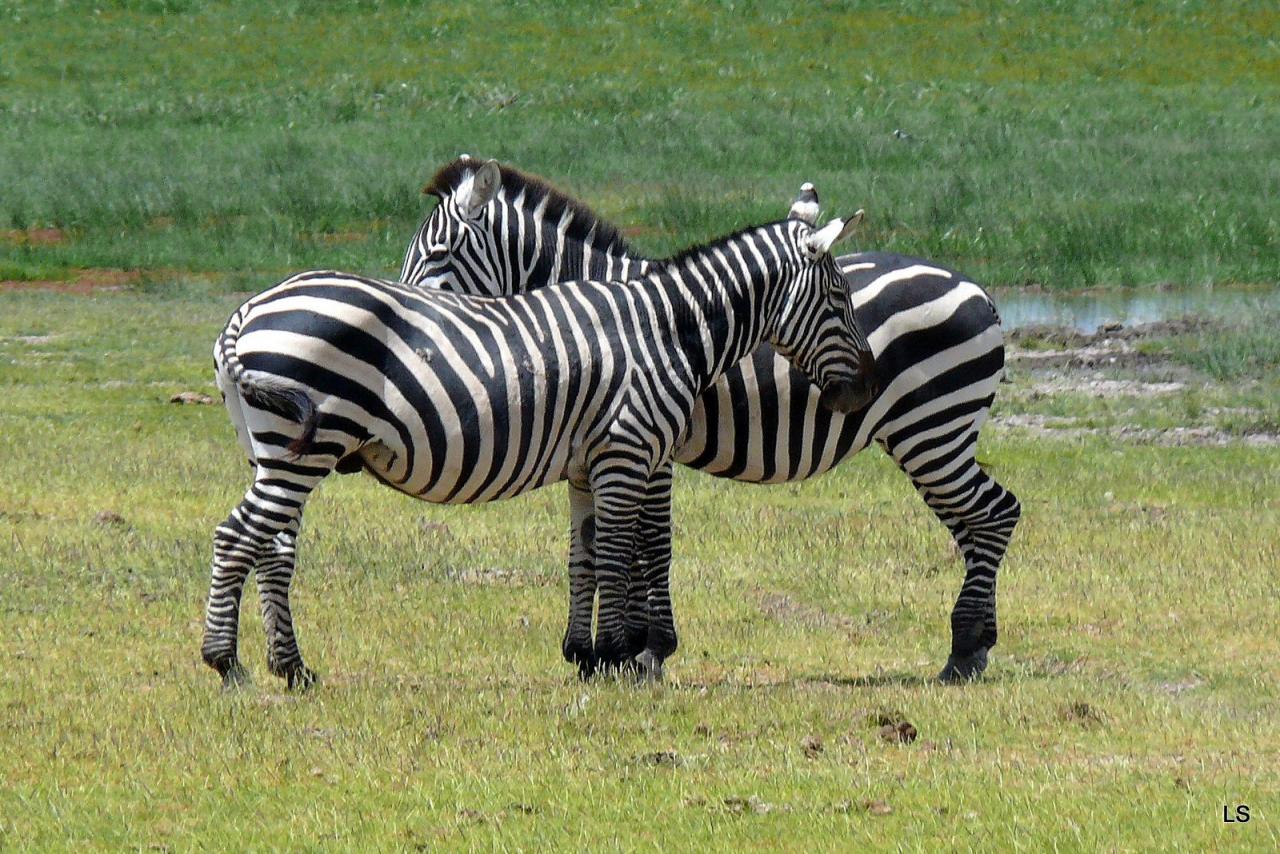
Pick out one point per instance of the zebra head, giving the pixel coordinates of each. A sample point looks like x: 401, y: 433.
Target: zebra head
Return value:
x: 449, y: 250
x: 497, y: 230
x: 815, y: 327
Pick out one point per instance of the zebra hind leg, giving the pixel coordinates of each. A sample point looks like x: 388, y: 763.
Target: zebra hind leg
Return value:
x: 577, y: 644
x: 234, y: 556
x: 247, y: 540
x: 274, y: 574
x: 981, y: 515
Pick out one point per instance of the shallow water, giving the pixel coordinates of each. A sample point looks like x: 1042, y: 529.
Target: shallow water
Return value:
x: 1087, y: 311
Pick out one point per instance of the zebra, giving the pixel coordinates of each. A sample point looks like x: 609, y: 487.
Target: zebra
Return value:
x: 938, y: 357
x: 457, y: 398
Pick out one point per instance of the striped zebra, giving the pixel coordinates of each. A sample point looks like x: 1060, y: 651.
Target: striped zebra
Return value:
x: 938, y: 357
x: 457, y: 398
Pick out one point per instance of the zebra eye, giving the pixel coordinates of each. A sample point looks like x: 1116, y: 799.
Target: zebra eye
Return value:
x: 436, y: 254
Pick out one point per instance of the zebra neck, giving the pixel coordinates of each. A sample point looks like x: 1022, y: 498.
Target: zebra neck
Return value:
x: 722, y: 296
x: 549, y: 252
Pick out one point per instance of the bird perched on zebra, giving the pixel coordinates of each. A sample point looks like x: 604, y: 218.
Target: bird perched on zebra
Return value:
x: 457, y: 398
x: 938, y: 358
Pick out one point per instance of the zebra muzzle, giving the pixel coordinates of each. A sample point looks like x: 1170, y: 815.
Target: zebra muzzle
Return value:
x: 846, y: 395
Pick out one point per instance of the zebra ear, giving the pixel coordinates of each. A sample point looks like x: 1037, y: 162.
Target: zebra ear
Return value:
x: 484, y: 186
x: 805, y: 207
x: 819, y: 243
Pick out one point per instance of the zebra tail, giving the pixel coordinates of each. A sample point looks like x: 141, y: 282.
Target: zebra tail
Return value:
x: 271, y: 394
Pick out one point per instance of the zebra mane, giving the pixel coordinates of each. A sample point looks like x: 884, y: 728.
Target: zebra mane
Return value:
x: 715, y: 243
x: 585, y: 227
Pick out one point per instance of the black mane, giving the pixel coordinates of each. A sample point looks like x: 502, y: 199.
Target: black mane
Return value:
x: 585, y: 223
x: 715, y: 243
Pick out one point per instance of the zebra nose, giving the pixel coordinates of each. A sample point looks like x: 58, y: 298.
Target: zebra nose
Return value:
x: 845, y: 395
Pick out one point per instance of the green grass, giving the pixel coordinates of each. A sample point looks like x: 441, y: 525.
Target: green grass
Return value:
x: 1070, y: 144
x: 1249, y: 349
x: 1133, y: 694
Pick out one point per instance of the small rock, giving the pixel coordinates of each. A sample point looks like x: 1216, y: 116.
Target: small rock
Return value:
x: 1082, y: 713
x: 877, y: 807
x: 901, y: 732
x: 753, y: 803
x: 661, y: 759
x: 192, y: 397
x: 109, y: 517
x: 811, y: 745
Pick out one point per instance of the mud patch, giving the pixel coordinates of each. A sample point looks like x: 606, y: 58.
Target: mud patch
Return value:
x: 193, y: 398
x: 80, y: 282
x: 1061, y: 427
x: 784, y: 609
x: 33, y: 236
x: 1065, y: 337
x: 1104, y: 388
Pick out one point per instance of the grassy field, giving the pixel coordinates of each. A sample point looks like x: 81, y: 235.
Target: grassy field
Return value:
x: 1133, y: 695
x: 186, y: 151
x: 1068, y: 144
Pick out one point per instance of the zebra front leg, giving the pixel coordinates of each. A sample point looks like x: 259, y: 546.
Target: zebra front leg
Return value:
x: 274, y: 574
x: 635, y: 621
x: 576, y: 645
x: 653, y: 549
x: 617, y: 507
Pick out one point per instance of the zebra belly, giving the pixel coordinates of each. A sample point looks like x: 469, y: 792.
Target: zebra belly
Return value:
x: 762, y: 423
x: 491, y: 435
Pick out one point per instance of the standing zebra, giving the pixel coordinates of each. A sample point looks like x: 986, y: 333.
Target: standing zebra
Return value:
x: 458, y: 398
x: 939, y: 355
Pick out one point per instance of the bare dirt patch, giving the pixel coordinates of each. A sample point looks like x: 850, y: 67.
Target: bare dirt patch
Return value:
x: 81, y: 282
x: 1108, y: 365
x: 33, y: 236
x: 1058, y: 427
x: 784, y: 609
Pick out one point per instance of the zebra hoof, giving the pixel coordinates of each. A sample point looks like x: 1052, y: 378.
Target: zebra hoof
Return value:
x: 964, y: 668
x: 235, y: 676
x: 648, y: 668
x: 611, y: 654
x: 637, y: 639
x: 302, y: 678
x: 580, y: 655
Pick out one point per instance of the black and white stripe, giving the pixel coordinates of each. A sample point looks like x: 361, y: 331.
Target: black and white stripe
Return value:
x: 457, y: 398
x: 938, y: 357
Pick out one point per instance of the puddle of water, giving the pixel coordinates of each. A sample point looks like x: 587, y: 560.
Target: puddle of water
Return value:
x: 1087, y: 311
